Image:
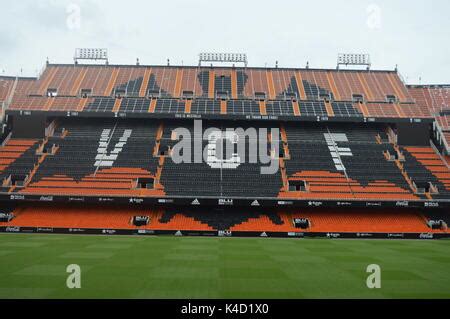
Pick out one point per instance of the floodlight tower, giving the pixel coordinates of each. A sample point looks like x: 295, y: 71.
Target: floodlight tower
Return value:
x: 222, y: 57
x: 353, y: 59
x: 90, y: 54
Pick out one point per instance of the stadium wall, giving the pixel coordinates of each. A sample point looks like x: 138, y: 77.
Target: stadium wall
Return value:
x: 413, y: 134
x: 24, y: 126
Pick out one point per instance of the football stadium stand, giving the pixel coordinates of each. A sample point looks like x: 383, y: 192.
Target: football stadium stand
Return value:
x: 436, y: 98
x: 350, y: 152
x: 6, y: 84
x: 234, y: 221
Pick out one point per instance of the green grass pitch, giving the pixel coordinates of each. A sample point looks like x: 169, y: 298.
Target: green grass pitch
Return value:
x: 34, y: 266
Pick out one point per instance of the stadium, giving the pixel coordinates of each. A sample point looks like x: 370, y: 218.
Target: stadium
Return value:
x: 87, y: 149
x: 223, y: 180
x: 350, y: 142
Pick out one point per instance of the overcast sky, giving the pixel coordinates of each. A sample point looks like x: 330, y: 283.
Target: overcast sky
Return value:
x: 413, y: 34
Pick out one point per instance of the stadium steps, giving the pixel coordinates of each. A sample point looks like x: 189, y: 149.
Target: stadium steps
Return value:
x: 18, y: 158
x: 424, y: 165
x: 367, y: 174
x: 71, y: 169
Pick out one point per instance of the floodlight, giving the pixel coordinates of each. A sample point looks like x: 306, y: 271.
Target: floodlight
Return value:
x: 90, y: 54
x: 222, y: 57
x: 353, y: 59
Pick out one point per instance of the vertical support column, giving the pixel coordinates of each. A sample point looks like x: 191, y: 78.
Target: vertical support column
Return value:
x: 296, y: 108
x: 329, y: 109
x: 398, y: 109
x: 301, y: 88
x: 234, y: 88
x: 117, y: 104
x: 262, y: 107
x: 142, y: 91
x: 337, y: 96
x: 211, y: 83
x: 152, y: 106
x: 48, y: 103
x: 270, y: 85
x: 82, y: 104
x: 178, y: 81
x: 223, y: 107
x: 398, y: 91
x: 76, y: 87
x: 112, y: 81
x: 367, y: 92
x: 363, y: 109
x: 44, y: 85
x: 187, y: 107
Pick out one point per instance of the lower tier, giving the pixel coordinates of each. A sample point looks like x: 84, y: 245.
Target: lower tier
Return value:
x: 226, y: 222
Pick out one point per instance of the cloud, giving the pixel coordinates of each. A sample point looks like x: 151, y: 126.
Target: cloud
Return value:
x: 289, y: 31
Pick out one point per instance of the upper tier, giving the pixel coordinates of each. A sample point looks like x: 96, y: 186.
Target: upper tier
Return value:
x: 382, y: 93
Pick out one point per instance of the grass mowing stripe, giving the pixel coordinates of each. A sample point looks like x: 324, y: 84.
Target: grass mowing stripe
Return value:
x: 33, y: 266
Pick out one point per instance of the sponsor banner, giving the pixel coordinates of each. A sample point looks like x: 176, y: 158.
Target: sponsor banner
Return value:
x: 17, y: 197
x: 136, y: 200
x: 108, y: 231
x: 295, y: 234
x: 395, y: 235
x: 426, y: 236
x: 17, y: 229
x: 374, y: 204
x: 106, y: 199
x: 76, y: 199
x: 364, y: 235
x: 76, y: 230
x: 223, y: 233
x: 402, y: 203
x: 12, y: 229
x: 211, y: 201
x: 315, y: 203
x: 431, y: 204
x: 344, y: 204
x: 44, y: 230
x: 145, y: 232
x: 46, y: 198
x: 285, y: 203
x: 165, y: 201
x: 225, y: 202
